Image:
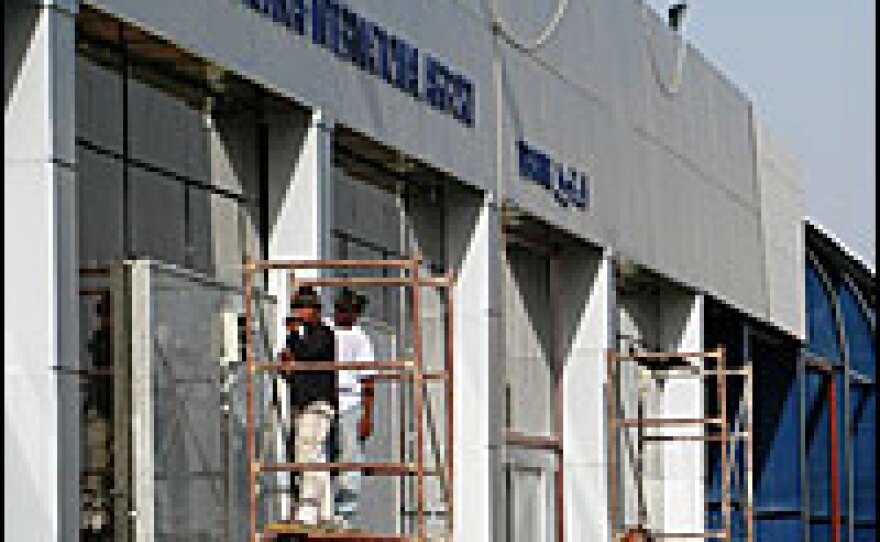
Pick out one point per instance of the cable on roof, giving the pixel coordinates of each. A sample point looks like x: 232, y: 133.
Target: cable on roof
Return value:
x: 541, y: 40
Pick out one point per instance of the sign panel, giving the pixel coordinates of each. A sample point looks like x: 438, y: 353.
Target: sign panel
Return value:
x: 351, y: 37
x: 569, y: 186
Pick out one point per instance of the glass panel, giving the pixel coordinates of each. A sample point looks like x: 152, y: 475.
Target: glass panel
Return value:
x: 196, y: 421
x: 818, y: 445
x: 864, y: 443
x: 859, y: 337
x: 822, y: 337
x: 777, y: 432
x: 99, y: 208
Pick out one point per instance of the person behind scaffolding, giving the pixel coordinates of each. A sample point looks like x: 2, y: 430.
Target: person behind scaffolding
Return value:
x: 356, y: 393
x: 97, y: 505
x: 313, y: 404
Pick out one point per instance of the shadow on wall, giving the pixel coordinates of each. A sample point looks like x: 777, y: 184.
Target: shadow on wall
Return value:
x: 286, y: 131
x: 20, y: 19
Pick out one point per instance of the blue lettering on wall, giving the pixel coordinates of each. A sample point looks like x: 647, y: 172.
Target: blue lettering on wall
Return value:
x: 336, y: 27
x: 569, y: 186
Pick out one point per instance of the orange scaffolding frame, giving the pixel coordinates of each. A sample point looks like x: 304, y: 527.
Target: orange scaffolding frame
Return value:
x: 656, y: 362
x: 403, y: 370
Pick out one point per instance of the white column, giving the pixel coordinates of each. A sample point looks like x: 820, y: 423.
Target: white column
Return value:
x: 300, y: 195
x: 40, y: 310
x: 300, y: 191
x: 300, y: 169
x: 473, y: 235
x: 589, y: 303
x: 143, y: 445
x: 683, y: 483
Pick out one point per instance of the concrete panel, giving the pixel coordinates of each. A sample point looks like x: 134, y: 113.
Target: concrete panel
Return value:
x: 41, y: 405
x: 473, y: 255
x: 62, y: 80
x: 586, y: 502
x: 31, y: 404
x: 782, y: 211
x: 683, y: 472
x: 588, y: 315
x: 668, y: 319
x: 529, y: 346
x: 233, y: 154
x: 27, y: 82
x: 142, y: 412
x: 42, y: 325
x: 299, y: 173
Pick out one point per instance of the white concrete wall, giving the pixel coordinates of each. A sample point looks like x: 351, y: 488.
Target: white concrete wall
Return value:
x: 782, y: 210
x: 532, y: 333
x: 40, y: 330
x: 669, y: 319
x: 684, y: 491
x: 674, y: 182
x: 300, y: 209
x: 472, y: 247
x: 588, y: 313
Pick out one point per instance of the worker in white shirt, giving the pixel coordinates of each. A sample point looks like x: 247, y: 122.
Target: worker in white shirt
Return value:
x: 356, y: 392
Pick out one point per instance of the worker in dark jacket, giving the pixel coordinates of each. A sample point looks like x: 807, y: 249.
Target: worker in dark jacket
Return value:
x: 314, y: 403
x: 309, y: 340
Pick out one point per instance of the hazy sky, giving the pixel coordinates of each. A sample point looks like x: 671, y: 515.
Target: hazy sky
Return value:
x: 809, y: 67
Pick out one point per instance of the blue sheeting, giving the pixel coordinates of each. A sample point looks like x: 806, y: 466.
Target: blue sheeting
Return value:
x: 820, y: 531
x: 778, y: 529
x: 864, y: 407
x: 782, y: 394
x: 777, y: 431
x: 818, y: 444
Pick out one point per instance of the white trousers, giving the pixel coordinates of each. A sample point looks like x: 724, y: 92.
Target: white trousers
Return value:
x: 312, y: 428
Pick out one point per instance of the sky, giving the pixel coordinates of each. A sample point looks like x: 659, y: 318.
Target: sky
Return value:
x: 809, y: 66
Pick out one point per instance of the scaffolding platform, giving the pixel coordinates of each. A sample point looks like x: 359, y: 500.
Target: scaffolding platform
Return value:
x: 296, y: 532
x: 410, y: 370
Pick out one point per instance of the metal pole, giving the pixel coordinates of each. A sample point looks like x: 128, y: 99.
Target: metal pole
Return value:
x: 831, y: 397
x: 559, y: 403
x: 419, y: 400
x: 805, y: 478
x: 725, y: 478
x: 249, y: 398
x: 750, y: 459
x: 611, y: 393
x: 748, y: 436
x: 450, y: 411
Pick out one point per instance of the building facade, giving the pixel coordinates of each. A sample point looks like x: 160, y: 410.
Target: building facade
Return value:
x: 590, y: 180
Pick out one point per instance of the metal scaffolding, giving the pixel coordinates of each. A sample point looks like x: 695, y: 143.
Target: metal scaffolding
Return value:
x: 718, y: 429
x: 411, y: 371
